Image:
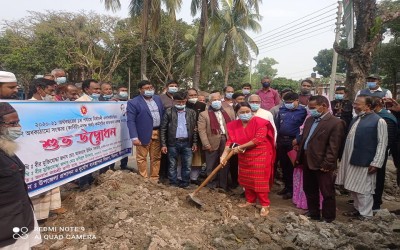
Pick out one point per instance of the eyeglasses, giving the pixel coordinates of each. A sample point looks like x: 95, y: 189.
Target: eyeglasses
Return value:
x: 148, y: 88
x: 14, y: 124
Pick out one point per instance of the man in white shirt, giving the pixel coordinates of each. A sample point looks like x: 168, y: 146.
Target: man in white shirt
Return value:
x: 255, y: 104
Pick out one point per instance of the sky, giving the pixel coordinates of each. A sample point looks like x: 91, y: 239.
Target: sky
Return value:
x: 294, y: 45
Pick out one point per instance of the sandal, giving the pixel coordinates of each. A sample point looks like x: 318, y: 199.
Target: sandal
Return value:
x: 264, y: 211
x: 247, y: 204
x: 351, y: 213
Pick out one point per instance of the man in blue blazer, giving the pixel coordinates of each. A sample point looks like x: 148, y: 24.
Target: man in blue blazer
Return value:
x: 144, y: 117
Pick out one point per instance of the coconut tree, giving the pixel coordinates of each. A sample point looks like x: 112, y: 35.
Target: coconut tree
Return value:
x: 150, y: 12
x: 229, y: 40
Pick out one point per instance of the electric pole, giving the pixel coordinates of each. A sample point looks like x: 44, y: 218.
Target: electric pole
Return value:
x: 335, y: 54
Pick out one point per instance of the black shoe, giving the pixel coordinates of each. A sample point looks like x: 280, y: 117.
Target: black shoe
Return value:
x: 312, y: 216
x: 195, y: 182
x: 327, y: 220
x: 287, y: 196
x: 283, y: 191
x: 183, y: 185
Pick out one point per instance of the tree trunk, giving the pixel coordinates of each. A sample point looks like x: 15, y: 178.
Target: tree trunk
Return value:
x: 199, y: 44
x: 367, y: 37
x: 143, y: 51
x: 226, y: 76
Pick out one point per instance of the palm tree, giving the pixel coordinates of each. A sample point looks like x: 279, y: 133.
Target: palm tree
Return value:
x: 229, y: 40
x: 148, y: 11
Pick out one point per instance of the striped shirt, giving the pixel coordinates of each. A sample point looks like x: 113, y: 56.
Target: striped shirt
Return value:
x: 155, y: 113
x: 355, y: 178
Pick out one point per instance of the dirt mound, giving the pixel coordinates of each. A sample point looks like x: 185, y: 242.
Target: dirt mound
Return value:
x: 124, y: 211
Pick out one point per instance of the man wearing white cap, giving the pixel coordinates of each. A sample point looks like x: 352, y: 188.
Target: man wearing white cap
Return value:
x: 8, y: 85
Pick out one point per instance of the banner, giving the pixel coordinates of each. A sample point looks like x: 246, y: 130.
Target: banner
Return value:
x: 63, y: 141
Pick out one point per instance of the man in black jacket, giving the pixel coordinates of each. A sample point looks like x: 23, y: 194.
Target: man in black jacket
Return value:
x: 17, y: 218
x: 391, y: 122
x: 179, y: 138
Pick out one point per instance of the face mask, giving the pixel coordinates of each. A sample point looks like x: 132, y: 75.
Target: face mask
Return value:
x: 108, y: 96
x: 123, y: 94
x: 65, y: 99
x: 193, y: 100
x: 289, y: 105
x: 149, y: 93
x: 266, y: 84
x: 228, y: 95
x: 95, y: 96
x: 12, y: 133
x: 371, y: 85
x: 245, y: 117
x: 305, y: 91
x: 255, y: 106
x: 48, y: 97
x: 216, y: 105
x: 172, y: 90
x: 245, y: 91
x: 61, y: 80
x: 180, y: 107
x: 339, y: 96
x: 314, y: 113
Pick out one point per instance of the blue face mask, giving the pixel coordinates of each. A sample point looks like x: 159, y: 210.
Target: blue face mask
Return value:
x: 289, y: 105
x: 245, y: 91
x: 339, y: 96
x: 172, y: 90
x: 245, y: 117
x: 61, y: 80
x: 371, y: 85
x: 95, y: 96
x: 123, y: 94
x: 255, y: 106
x: 148, y: 93
x: 107, y: 96
x: 216, y: 105
x: 229, y: 95
x: 266, y: 84
x: 314, y: 113
x: 180, y: 107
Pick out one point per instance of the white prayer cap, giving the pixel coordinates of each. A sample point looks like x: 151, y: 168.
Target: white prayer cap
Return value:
x: 7, y: 77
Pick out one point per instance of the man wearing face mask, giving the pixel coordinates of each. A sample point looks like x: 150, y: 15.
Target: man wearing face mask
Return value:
x: 305, y: 92
x: 246, y: 90
x: 213, y: 135
x: 342, y: 108
x: 269, y: 96
x: 363, y: 154
x: 198, y: 156
x: 91, y: 91
x: 106, y: 92
x: 145, y: 112
x: 167, y: 99
x: 122, y: 94
x: 256, y: 110
x: 179, y: 139
x: 374, y: 88
x: 8, y: 85
x: 228, y: 95
x: 59, y: 76
x: 320, y: 144
x: 41, y: 89
x: 15, y: 207
x: 289, y: 119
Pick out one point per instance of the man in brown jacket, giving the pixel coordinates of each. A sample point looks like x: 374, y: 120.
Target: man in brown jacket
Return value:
x: 322, y: 138
x: 213, y: 134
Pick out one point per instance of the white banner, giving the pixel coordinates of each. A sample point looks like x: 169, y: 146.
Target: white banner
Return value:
x: 63, y: 141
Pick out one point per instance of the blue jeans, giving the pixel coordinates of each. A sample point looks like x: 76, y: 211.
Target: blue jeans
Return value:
x: 184, y: 150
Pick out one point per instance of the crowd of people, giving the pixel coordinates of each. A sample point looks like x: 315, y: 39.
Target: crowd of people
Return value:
x: 315, y: 144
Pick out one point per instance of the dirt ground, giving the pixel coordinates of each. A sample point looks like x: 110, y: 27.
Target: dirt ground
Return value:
x: 124, y: 211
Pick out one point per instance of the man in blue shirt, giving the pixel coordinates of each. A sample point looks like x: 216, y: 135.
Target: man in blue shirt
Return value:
x: 289, y: 120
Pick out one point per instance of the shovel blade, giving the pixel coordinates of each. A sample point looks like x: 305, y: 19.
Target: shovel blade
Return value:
x: 195, y: 200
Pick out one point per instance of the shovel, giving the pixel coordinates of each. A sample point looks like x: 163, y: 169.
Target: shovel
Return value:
x: 191, y: 197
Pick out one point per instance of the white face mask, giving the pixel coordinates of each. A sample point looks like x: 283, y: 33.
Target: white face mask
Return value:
x: 48, y: 97
x: 193, y: 100
x: 12, y: 133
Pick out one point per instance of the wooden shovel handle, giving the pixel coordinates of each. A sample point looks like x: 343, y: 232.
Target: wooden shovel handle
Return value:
x: 213, y: 173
